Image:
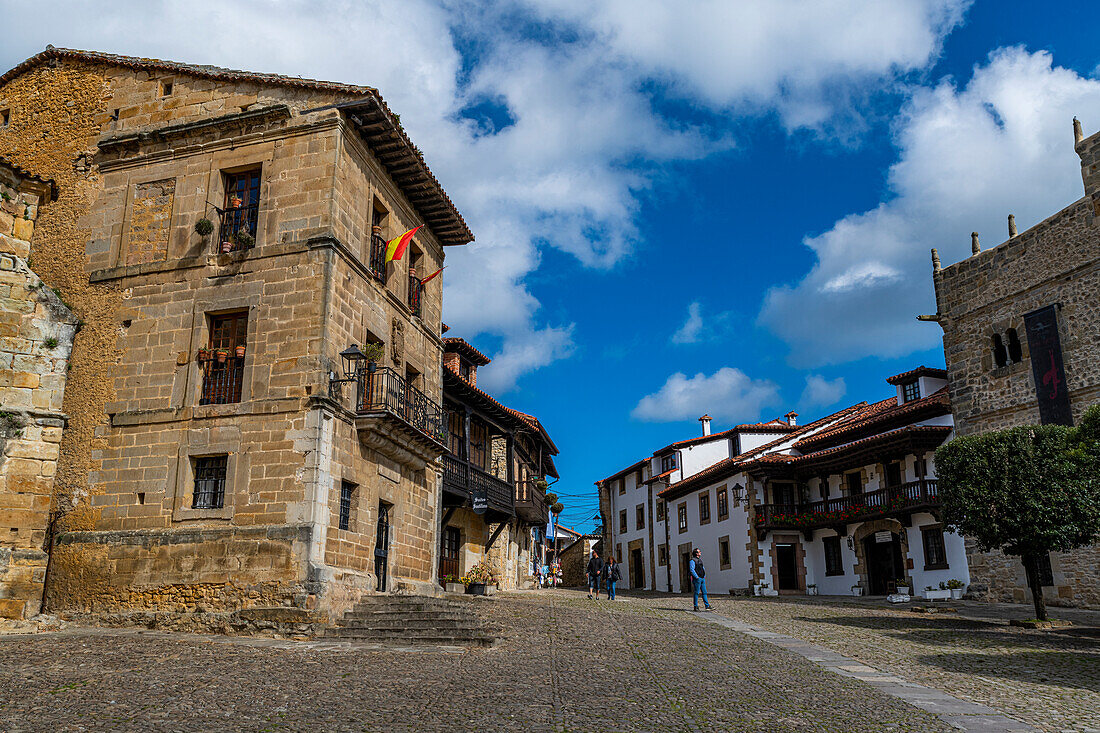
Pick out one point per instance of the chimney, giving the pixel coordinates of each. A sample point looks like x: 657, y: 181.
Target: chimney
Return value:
x: 705, y: 419
x: 792, y: 418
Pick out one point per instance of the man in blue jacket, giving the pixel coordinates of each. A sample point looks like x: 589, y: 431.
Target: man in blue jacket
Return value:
x: 698, y: 579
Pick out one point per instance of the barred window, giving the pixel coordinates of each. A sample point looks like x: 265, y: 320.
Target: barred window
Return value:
x: 209, y: 482
x: 223, y: 370
x: 347, y: 497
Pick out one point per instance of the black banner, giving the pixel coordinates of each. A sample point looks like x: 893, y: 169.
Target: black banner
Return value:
x: 1046, y: 366
x: 479, y: 496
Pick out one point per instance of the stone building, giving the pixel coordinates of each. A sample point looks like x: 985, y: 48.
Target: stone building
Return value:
x: 221, y: 233
x: 1021, y: 334
x: 496, y: 459
x: 36, y: 337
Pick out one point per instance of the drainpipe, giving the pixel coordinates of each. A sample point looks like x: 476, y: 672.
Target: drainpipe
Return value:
x: 668, y: 554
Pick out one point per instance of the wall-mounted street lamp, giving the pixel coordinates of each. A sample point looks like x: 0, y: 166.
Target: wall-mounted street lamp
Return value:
x: 352, y: 360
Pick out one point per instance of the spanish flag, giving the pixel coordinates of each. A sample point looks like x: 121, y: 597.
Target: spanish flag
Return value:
x: 429, y: 277
x: 395, y: 248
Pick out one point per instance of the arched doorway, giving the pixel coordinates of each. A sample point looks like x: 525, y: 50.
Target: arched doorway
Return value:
x: 882, y: 555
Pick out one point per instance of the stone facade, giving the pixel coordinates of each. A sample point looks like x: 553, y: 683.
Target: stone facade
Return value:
x: 1056, y: 262
x: 36, y: 337
x: 141, y: 151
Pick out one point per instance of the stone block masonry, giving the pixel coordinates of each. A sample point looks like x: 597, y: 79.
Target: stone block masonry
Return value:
x: 36, y: 337
x: 981, y: 303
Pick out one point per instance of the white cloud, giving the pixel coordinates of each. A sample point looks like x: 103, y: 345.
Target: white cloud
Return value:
x: 728, y: 394
x: 821, y: 392
x: 525, y: 353
x: 693, y: 326
x: 968, y: 157
x: 585, y: 137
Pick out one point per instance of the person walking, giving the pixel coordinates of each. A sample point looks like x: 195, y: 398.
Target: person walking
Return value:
x: 611, y: 576
x: 698, y: 579
x: 595, y: 568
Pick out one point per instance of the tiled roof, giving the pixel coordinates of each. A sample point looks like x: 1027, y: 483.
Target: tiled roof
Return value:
x: 632, y: 467
x: 777, y: 425
x: 908, y: 430
x: 418, y: 184
x: 921, y: 371
x: 462, y: 346
x: 730, y: 465
x: 660, y: 476
x: 878, y: 416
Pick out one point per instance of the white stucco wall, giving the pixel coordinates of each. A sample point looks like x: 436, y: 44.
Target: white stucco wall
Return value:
x: 703, y: 455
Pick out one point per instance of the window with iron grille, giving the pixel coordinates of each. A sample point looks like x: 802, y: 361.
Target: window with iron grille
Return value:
x: 910, y: 391
x: 704, y: 507
x: 682, y: 517
x: 833, y: 566
x: 347, y: 499
x: 935, y: 556
x: 210, y: 474
x: 723, y: 504
x: 241, y: 212
x: 622, y: 521
x: 639, y: 516
x: 223, y: 372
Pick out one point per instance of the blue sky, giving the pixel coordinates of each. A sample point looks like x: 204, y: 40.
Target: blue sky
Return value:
x: 681, y: 207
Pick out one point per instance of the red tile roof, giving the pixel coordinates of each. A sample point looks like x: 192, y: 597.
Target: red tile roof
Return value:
x: 462, y: 346
x: 921, y: 371
x: 777, y: 425
x: 629, y: 469
x: 730, y: 465
x: 879, y: 416
x: 934, y: 431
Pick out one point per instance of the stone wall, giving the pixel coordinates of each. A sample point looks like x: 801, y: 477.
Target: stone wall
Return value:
x: 36, y: 338
x: 120, y: 244
x: 1056, y: 262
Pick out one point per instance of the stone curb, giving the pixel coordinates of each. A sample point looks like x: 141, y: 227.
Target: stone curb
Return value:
x: 964, y: 715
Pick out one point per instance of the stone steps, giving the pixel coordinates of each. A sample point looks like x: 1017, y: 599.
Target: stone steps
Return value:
x: 416, y: 620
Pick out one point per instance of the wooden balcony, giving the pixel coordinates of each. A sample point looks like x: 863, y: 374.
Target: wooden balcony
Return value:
x: 531, y: 505
x: 461, y: 479
x: 894, y: 501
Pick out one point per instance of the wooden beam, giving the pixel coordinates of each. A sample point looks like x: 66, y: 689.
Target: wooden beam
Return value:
x: 493, y: 538
x: 447, y: 516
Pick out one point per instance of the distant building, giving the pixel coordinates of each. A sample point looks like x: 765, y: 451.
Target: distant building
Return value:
x: 843, y: 504
x: 1021, y: 333
x: 496, y: 457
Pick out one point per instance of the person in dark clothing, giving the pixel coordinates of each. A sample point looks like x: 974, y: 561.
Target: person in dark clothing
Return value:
x: 698, y: 579
x: 595, y: 569
x: 611, y: 576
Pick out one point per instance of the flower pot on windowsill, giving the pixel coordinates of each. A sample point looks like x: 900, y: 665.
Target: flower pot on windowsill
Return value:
x: 235, y: 202
x: 475, y: 589
x: 239, y: 351
x: 221, y: 355
x: 227, y: 247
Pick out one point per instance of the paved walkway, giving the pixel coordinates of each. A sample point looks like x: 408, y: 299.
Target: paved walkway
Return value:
x: 564, y: 664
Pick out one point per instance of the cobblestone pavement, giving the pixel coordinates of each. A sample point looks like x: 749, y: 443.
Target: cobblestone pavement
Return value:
x: 565, y: 663
x: 1048, y: 679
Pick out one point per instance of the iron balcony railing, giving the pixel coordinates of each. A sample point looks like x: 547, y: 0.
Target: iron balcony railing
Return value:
x: 377, y: 261
x: 851, y: 508
x: 384, y: 390
x: 462, y: 478
x: 237, y: 227
x: 222, y: 381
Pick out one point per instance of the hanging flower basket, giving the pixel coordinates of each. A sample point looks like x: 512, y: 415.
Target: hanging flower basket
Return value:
x: 227, y: 247
x: 221, y: 355
x: 239, y: 351
x: 235, y: 202
x: 203, y: 355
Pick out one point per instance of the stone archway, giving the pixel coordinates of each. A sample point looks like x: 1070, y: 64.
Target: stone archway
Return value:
x: 865, y: 530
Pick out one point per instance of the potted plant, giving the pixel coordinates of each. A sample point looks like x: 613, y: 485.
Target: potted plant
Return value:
x: 931, y: 594
x: 245, y: 240
x: 239, y: 351
x: 478, y: 577
x: 451, y: 584
x: 374, y: 352
x: 203, y: 355
x: 203, y: 227
x: 227, y: 247
x: 811, y: 589
x: 235, y: 202
x: 221, y: 355
x: 956, y: 587
x: 857, y: 590
x: 901, y: 586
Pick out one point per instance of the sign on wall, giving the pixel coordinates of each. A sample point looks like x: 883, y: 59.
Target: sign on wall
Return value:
x: 1047, y: 367
x: 479, y: 497
x: 884, y: 536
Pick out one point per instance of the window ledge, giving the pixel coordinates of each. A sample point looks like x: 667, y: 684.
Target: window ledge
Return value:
x: 939, y: 566
x: 834, y: 574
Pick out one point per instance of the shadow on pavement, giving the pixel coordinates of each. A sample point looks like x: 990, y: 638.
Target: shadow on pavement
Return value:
x: 1058, y: 669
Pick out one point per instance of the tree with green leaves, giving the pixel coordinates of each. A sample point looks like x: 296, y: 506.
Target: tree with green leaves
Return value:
x: 1026, y: 491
